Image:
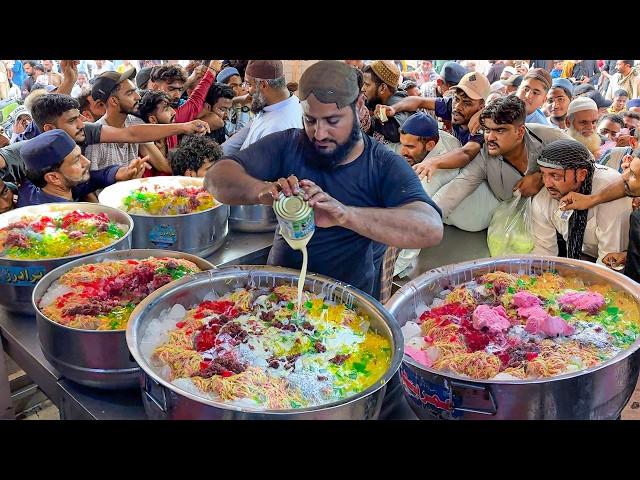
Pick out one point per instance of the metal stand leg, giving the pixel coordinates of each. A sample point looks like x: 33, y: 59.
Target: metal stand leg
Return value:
x: 6, y: 405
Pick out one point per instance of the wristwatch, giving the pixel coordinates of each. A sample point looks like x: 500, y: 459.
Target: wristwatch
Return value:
x: 244, y: 109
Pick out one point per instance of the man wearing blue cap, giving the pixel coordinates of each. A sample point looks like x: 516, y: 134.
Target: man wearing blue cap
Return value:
x: 633, y: 105
x: 559, y: 97
x: 58, y: 172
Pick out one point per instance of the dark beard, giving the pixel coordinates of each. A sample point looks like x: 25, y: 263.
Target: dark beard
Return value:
x: 326, y: 161
x: 371, y: 103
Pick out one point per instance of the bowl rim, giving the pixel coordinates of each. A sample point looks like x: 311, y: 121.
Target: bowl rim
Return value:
x: 149, y: 180
x: 73, y: 206
x: 411, y: 288
x: 248, y: 270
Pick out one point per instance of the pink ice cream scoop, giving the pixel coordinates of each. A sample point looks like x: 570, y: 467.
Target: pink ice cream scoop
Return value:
x: 590, y: 302
x: 525, y: 299
x: 418, y: 355
x: 494, y: 319
x: 548, y: 325
x: 535, y: 311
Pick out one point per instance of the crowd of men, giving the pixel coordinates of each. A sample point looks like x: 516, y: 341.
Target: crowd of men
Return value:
x: 562, y: 132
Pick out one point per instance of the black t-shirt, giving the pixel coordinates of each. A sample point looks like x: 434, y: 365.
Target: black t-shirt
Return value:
x: 377, y: 178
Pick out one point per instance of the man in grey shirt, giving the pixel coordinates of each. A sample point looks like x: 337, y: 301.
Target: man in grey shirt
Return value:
x: 510, y: 152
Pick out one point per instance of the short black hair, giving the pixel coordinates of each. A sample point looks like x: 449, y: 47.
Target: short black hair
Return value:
x: 217, y: 91
x: 47, y: 108
x: 509, y: 110
x: 629, y: 114
x: 614, y: 117
x: 628, y: 62
x: 37, y: 176
x: 149, y: 101
x: 360, y: 77
x: 168, y: 73
x: 31, y: 63
x: 83, y: 99
x: 621, y: 93
x: 192, y: 153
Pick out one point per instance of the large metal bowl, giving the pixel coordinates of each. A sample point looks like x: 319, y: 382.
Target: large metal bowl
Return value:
x: 600, y: 392
x: 18, y: 277
x: 163, y: 400
x: 95, y: 358
x: 199, y: 233
x: 252, y: 218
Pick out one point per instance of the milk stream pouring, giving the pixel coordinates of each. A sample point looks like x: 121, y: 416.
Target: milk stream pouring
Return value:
x: 297, y: 226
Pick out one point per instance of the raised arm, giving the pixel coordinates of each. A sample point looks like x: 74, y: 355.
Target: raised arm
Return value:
x: 457, y: 158
x: 409, y: 104
x: 151, y: 133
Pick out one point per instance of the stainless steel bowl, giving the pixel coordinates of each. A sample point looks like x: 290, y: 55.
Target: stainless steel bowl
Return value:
x: 199, y: 233
x: 600, y: 392
x: 252, y: 218
x: 18, y: 277
x: 96, y: 358
x: 163, y: 400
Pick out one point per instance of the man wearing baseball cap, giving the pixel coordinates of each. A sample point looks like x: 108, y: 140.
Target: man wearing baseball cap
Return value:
x: 239, y: 114
x: 633, y: 105
x: 361, y: 192
x: 512, y: 84
x: 582, y: 119
x: 276, y: 108
x: 533, y: 92
x: 58, y: 172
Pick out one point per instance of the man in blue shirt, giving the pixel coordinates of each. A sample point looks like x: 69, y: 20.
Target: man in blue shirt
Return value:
x: 58, y: 172
x: 361, y: 192
x: 533, y: 92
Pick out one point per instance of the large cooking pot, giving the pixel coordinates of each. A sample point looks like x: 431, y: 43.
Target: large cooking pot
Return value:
x: 252, y: 218
x: 163, y: 400
x: 18, y: 277
x: 199, y: 233
x: 600, y: 392
x: 95, y: 358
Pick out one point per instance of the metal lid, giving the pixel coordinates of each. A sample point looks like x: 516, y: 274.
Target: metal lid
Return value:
x: 291, y: 208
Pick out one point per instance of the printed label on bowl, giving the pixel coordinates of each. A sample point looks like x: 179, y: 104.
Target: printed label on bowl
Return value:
x: 433, y: 398
x: 21, y: 276
x: 163, y: 236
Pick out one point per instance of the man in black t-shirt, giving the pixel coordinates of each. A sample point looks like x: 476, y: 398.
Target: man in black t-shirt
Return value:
x: 361, y: 192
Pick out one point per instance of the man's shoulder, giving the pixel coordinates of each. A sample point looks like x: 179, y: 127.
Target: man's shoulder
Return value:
x: 546, y: 133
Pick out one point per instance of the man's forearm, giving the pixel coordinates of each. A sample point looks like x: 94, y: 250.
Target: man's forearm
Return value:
x: 140, y: 133
x: 458, y: 158
x: 229, y: 183
x: 610, y: 193
x: 156, y: 158
x: 415, y: 225
x: 411, y: 104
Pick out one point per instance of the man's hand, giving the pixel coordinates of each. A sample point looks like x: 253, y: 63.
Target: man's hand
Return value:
x: 70, y: 69
x: 615, y: 260
x: 474, y: 122
x: 196, y: 127
x: 426, y: 168
x: 576, y: 201
x: 215, y: 65
x: 271, y: 190
x: 530, y: 185
x: 389, y: 111
x: 328, y: 211
x: 135, y: 169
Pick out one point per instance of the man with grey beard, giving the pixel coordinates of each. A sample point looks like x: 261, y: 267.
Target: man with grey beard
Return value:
x: 275, y: 107
x: 582, y: 118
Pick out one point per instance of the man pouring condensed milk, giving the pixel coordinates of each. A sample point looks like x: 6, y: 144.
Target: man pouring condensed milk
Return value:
x: 359, y: 191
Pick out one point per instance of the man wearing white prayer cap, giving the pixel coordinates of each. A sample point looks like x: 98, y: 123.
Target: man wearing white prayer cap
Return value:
x: 582, y: 119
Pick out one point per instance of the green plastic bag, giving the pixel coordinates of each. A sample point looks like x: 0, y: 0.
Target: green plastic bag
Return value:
x: 510, y: 230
